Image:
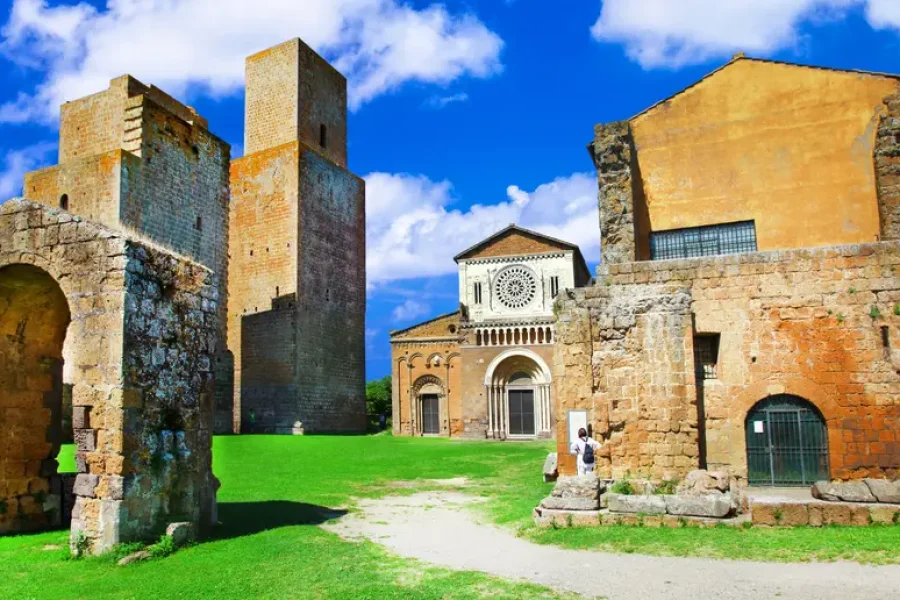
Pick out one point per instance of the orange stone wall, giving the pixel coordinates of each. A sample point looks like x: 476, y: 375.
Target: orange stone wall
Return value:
x: 812, y: 323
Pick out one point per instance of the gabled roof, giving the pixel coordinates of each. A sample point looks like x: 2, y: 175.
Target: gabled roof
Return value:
x: 742, y: 57
x: 513, y: 228
x: 448, y: 316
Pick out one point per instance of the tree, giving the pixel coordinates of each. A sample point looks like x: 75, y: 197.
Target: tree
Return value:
x: 378, y: 396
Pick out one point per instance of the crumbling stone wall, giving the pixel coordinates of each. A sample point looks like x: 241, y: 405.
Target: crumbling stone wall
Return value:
x: 887, y: 168
x: 142, y: 332
x: 137, y: 160
x: 822, y: 324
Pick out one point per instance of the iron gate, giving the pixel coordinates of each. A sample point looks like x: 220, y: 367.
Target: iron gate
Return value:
x: 521, y: 412
x: 431, y: 414
x: 787, y: 442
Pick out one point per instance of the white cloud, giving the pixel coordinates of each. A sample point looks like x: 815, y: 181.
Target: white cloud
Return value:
x: 662, y: 33
x: 414, y: 231
x: 442, y: 101
x: 883, y: 14
x: 19, y: 162
x: 175, y: 44
x: 409, y: 311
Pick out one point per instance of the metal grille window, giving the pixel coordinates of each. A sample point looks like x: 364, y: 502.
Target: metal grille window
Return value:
x: 691, y: 242
x: 787, y: 442
x: 706, y: 355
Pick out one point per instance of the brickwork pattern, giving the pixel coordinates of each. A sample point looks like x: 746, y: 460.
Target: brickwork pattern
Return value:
x: 298, y: 253
x: 136, y: 159
x: 143, y: 328
x: 821, y: 324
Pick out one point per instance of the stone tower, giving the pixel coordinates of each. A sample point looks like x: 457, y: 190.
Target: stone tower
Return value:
x: 136, y: 160
x: 297, y: 290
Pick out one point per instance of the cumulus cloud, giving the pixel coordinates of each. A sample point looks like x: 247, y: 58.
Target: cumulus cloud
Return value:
x: 662, y: 33
x: 378, y: 44
x: 414, y: 231
x: 18, y: 162
x: 409, y: 311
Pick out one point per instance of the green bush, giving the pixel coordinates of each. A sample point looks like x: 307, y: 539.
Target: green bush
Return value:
x: 164, y: 547
x: 666, y: 488
x: 622, y: 487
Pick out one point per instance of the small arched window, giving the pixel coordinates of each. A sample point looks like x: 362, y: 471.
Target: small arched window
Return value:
x: 64, y: 202
x: 323, y: 136
x: 199, y: 224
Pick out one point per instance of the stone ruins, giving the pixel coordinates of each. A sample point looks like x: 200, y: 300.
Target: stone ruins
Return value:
x: 170, y: 294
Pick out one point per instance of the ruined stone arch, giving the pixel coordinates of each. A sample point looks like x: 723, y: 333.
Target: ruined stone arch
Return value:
x: 136, y: 325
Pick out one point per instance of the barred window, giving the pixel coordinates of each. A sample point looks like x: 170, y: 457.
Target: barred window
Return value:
x: 691, y: 242
x: 706, y: 355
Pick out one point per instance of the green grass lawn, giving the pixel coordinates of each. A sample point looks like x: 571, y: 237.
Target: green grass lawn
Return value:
x: 268, y: 545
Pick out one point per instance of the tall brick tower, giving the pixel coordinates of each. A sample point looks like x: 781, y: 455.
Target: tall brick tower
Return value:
x: 297, y: 294
x: 135, y: 159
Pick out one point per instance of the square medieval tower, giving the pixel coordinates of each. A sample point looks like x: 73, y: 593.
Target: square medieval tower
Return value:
x: 296, y: 315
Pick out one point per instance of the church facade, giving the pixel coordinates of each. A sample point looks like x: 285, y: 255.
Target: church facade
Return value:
x: 485, y: 371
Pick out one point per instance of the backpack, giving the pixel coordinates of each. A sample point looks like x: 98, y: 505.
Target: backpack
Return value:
x: 588, y: 456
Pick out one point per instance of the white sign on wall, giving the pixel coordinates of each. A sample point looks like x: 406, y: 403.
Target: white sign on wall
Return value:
x: 575, y: 420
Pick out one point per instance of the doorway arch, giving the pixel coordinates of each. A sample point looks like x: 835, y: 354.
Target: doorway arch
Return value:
x: 517, y: 387
x: 787, y: 442
x: 34, y: 317
x: 430, y: 401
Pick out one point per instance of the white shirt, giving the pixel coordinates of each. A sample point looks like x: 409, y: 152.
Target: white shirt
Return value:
x: 579, y: 445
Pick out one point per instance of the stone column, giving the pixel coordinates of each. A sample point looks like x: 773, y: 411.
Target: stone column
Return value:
x: 612, y: 153
x: 488, y: 392
x: 887, y: 168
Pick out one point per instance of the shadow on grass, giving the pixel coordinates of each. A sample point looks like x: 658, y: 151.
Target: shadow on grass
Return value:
x: 238, y: 519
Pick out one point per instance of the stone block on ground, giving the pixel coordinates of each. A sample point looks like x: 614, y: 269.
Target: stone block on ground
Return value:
x: 550, y: 467
x: 562, y: 518
x: 883, y: 514
x: 582, y: 486
x: 710, y: 505
x: 885, y: 491
x: 181, y: 533
x: 850, y: 491
x: 701, y: 483
x: 556, y: 503
x: 648, y: 505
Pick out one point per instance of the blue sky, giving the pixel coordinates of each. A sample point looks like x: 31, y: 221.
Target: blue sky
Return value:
x: 466, y: 115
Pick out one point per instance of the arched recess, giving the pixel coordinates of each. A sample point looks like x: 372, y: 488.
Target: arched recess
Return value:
x: 34, y: 317
x: 518, y: 391
x: 430, y: 400
x: 824, y: 399
x: 511, y: 361
x: 787, y: 442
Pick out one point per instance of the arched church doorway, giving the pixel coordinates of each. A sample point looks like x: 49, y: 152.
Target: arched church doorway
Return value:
x: 787, y: 442
x: 34, y: 316
x: 430, y: 405
x: 517, y: 386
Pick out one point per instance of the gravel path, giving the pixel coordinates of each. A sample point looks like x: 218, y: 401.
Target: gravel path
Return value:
x: 435, y: 527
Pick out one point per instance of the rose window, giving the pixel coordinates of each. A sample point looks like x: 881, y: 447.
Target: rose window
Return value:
x: 516, y: 287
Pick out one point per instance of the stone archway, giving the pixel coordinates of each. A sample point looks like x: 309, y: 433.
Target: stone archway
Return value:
x: 142, y: 330
x: 34, y: 316
x: 517, y: 386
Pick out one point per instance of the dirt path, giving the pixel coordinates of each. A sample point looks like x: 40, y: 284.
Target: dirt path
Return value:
x: 437, y: 528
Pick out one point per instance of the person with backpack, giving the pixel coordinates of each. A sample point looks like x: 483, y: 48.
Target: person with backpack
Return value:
x: 585, y: 447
